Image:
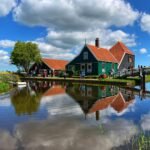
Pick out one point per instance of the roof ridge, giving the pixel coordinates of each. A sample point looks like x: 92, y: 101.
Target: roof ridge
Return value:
x: 124, y: 47
x: 105, y: 56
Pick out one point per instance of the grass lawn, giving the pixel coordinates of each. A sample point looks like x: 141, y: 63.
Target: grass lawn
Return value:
x: 129, y: 81
x: 138, y: 79
x: 122, y: 82
x: 5, y: 79
x: 148, y: 78
x: 4, y: 87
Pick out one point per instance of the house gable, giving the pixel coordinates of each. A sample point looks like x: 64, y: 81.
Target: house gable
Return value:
x: 119, y: 50
x: 127, y: 62
x: 36, y: 67
x: 80, y: 58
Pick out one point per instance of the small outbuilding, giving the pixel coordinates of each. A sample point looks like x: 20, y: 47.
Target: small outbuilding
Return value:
x: 48, y: 67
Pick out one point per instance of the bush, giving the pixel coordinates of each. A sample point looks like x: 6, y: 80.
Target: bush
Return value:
x: 4, y: 87
x: 103, y: 76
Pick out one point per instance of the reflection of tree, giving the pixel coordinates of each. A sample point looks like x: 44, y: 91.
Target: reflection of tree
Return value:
x: 25, y: 102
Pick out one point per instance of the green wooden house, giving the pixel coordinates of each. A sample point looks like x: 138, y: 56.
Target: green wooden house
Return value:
x: 93, y: 60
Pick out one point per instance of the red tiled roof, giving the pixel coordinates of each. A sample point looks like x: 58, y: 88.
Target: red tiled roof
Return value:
x: 55, y: 90
x: 102, y: 104
x: 119, y: 104
x: 102, y: 54
x: 55, y: 64
x: 119, y: 49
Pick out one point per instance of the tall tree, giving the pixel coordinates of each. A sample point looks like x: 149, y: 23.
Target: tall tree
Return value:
x: 24, y: 55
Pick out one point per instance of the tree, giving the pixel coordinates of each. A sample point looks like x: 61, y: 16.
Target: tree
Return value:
x: 24, y: 55
x: 25, y: 103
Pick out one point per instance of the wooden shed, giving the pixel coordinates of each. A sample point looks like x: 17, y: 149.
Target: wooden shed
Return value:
x: 48, y: 67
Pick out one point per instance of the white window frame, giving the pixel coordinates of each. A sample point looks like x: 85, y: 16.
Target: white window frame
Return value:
x: 85, y: 55
x: 103, y: 67
x: 89, y: 70
x: 89, y: 91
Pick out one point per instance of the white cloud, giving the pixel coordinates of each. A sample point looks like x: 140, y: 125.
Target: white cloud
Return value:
x: 5, y: 100
x: 145, y: 122
x: 4, y: 56
x: 143, y: 50
x: 61, y: 105
x: 145, y: 22
x: 68, y: 39
x: 75, y: 14
x: 7, y: 43
x: 6, y: 6
x: 66, y: 44
x: 70, y: 22
x: 50, y: 134
x: 7, y: 142
x: 5, y: 61
x: 47, y: 50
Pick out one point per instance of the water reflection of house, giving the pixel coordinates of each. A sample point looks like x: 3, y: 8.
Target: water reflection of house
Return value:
x: 48, y: 67
x: 93, y: 99
x: 87, y: 95
x: 59, y: 103
x: 41, y: 86
x: 55, y: 90
x: 47, y: 88
x: 117, y: 102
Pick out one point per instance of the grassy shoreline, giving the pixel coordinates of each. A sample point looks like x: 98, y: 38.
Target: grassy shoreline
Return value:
x: 148, y: 78
x: 4, y: 87
x: 122, y: 82
x: 132, y: 81
x: 6, y: 78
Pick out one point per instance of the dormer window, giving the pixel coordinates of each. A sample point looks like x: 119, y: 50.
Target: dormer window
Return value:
x: 85, y: 55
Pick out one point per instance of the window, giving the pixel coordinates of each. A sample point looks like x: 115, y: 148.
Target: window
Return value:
x: 103, y: 67
x: 89, y: 91
x: 130, y: 59
x: 85, y: 55
x: 82, y: 66
x: 71, y: 68
x: 113, y: 66
x: 89, y: 68
x: 104, y: 93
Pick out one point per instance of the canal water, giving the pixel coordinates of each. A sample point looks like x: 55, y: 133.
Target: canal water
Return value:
x: 69, y: 116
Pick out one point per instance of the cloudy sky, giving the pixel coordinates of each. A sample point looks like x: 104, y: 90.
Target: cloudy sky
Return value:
x: 60, y: 27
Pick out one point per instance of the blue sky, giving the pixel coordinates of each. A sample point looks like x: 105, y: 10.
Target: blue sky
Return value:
x: 61, y: 27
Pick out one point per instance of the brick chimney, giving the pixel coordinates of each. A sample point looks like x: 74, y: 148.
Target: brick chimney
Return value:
x: 97, y: 42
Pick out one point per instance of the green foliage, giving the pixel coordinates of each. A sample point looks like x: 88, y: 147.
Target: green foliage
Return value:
x: 141, y: 142
x: 24, y: 54
x: 148, y: 78
x: 26, y: 103
x: 9, y: 77
x: 4, y: 87
x: 77, y: 73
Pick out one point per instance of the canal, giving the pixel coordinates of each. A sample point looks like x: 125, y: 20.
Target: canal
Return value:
x: 69, y: 116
